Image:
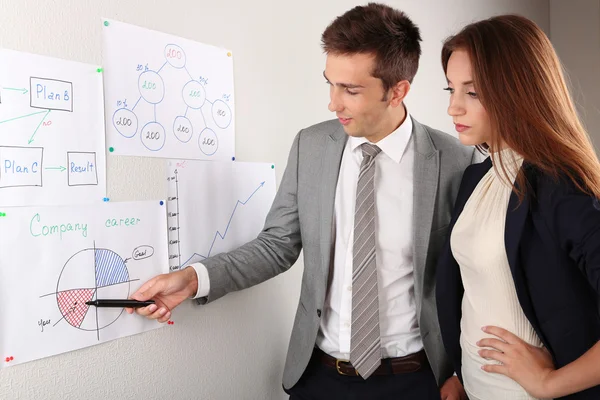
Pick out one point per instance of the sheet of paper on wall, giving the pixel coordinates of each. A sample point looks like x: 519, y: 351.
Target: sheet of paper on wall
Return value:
x: 55, y: 259
x: 214, y: 207
x: 167, y: 96
x: 51, y: 131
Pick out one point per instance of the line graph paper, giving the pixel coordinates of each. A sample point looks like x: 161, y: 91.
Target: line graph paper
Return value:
x: 214, y: 207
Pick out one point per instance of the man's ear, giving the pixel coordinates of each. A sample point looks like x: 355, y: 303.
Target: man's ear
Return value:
x: 398, y: 93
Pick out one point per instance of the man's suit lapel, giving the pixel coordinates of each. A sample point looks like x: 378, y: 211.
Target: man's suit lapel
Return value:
x: 332, y: 158
x: 426, y: 176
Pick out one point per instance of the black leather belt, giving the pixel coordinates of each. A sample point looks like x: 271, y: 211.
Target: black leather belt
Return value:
x: 389, y: 366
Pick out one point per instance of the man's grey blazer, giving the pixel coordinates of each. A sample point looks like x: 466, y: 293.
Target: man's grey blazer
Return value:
x: 302, y: 217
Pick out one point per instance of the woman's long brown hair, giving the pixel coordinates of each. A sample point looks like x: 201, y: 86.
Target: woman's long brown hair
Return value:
x: 521, y: 85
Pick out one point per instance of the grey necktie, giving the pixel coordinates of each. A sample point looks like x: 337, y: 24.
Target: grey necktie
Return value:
x: 365, y: 342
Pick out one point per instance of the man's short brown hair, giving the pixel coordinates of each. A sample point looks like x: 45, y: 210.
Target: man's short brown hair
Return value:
x: 380, y: 30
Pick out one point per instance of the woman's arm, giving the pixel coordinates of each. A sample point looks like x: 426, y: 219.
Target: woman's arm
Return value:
x: 532, y: 367
x: 573, y: 218
x: 579, y: 375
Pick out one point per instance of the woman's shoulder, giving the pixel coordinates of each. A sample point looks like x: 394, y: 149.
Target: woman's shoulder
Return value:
x: 551, y: 189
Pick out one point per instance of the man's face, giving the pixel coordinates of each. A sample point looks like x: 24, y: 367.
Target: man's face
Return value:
x: 356, y: 97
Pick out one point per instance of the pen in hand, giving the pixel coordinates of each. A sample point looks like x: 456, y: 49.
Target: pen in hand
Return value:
x: 126, y: 303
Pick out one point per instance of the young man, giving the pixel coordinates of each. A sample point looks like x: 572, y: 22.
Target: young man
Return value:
x: 368, y: 196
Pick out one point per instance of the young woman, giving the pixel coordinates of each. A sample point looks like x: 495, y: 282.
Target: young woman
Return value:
x: 518, y: 280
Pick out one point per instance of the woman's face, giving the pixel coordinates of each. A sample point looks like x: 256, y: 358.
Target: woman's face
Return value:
x: 470, y: 118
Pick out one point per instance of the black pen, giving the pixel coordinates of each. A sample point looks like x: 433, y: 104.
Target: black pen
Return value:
x: 119, y: 303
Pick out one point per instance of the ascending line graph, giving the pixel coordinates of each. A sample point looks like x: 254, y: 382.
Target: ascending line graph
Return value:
x: 223, y: 235
x: 215, y: 207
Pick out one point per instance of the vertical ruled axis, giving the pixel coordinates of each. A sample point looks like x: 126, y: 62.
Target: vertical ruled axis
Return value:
x: 173, y: 222
x: 178, y: 226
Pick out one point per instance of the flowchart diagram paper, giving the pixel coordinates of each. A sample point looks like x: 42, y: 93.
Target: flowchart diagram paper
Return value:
x: 51, y: 131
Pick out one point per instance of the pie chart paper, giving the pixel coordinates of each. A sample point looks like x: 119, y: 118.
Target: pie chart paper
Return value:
x: 55, y: 259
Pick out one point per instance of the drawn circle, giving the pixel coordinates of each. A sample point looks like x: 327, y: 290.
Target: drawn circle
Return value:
x: 175, y: 56
x: 194, y: 94
x: 151, y: 87
x: 221, y: 113
x: 183, y: 129
x: 153, y: 136
x: 125, y: 121
x: 88, y: 275
x: 208, y: 142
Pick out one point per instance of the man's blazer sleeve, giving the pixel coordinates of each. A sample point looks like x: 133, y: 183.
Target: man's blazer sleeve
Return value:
x: 275, y: 249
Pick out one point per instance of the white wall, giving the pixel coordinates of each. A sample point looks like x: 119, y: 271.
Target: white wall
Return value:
x: 234, y: 348
x: 575, y: 34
